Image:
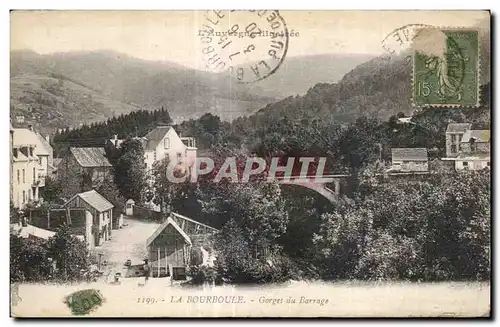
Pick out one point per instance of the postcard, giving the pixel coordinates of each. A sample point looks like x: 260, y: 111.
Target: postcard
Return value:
x: 250, y: 163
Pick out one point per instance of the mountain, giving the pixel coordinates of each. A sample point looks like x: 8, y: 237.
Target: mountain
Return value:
x: 118, y: 84
x: 297, y: 74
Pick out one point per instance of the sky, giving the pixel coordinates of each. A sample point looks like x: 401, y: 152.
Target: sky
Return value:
x: 173, y: 35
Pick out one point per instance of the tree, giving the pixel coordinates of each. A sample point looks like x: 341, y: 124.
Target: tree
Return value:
x: 70, y: 255
x: 28, y: 259
x: 52, y: 190
x: 130, y: 172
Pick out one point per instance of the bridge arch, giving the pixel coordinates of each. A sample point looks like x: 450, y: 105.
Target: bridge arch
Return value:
x: 329, y: 194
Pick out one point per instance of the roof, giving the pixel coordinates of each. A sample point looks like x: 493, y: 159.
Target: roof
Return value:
x: 44, y: 143
x: 155, y: 136
x: 94, y: 199
x: 479, y: 135
x: 419, y: 154
x: 25, y: 137
x: 162, y: 227
x: 405, y: 119
x: 90, y: 157
x: 458, y: 127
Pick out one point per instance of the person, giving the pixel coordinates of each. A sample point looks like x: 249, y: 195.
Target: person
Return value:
x: 147, y: 270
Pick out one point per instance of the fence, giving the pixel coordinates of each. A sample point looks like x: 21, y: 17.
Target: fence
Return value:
x: 147, y: 214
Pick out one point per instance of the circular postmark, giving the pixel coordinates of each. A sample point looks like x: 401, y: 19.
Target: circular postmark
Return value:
x: 401, y: 39
x: 250, y: 45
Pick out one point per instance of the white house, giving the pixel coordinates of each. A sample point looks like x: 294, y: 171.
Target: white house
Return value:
x: 164, y: 142
x: 409, y: 159
x: 31, y: 162
x: 467, y: 148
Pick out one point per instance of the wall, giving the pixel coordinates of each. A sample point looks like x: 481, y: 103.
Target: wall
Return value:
x: 453, y: 138
x: 472, y: 164
x: 18, y: 186
x: 481, y: 147
x: 172, y: 249
x: 408, y: 165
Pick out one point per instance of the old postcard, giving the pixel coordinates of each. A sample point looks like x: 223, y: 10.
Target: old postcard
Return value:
x: 258, y: 163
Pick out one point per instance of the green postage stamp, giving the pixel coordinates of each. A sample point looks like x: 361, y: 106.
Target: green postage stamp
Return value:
x: 446, y: 68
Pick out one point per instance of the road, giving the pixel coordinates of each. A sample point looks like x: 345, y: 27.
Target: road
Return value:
x: 129, y: 242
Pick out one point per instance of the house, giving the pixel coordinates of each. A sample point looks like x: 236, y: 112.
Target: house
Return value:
x: 31, y: 158
x: 89, y: 162
x: 101, y: 211
x: 169, y: 248
x: 454, y: 134
x: 467, y: 148
x: 410, y: 159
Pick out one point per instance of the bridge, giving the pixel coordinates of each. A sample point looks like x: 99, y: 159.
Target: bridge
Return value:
x: 316, y: 183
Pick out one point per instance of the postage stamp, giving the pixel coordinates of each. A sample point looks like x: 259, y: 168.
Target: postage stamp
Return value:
x: 251, y: 45
x: 84, y: 301
x: 446, y: 67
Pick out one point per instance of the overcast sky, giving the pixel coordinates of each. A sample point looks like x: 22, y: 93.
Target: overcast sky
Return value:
x: 172, y: 36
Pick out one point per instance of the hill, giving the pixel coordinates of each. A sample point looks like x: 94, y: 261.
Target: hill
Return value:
x: 129, y: 83
x: 54, y: 102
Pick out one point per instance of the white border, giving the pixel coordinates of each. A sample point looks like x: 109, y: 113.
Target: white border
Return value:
x: 148, y: 5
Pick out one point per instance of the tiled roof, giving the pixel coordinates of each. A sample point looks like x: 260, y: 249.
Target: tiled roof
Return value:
x: 95, y: 200
x: 155, y: 136
x: 90, y: 157
x: 480, y: 135
x: 409, y: 154
x: 458, y: 127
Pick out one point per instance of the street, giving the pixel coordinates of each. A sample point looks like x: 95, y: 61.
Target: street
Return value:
x: 129, y: 242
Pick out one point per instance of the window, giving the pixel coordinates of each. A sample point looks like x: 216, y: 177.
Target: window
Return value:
x: 40, y: 161
x: 488, y: 164
x: 453, y: 148
x: 31, y: 152
x: 15, y: 152
x: 166, y: 143
x: 24, y: 196
x: 18, y: 178
x: 465, y: 164
x: 179, y: 157
x: 473, y: 145
x: 34, y: 172
x: 24, y: 177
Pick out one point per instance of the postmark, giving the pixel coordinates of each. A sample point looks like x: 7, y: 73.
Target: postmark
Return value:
x: 250, y: 45
x: 446, y: 67
x: 84, y: 301
x: 400, y: 40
